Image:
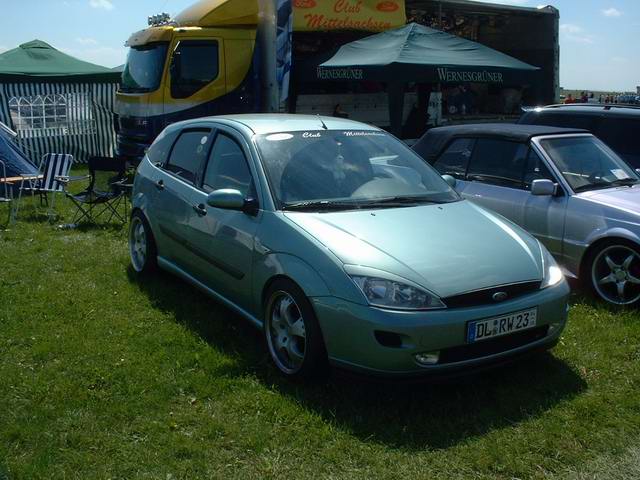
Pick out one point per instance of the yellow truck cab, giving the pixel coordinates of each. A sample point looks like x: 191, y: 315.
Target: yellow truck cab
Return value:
x: 201, y: 63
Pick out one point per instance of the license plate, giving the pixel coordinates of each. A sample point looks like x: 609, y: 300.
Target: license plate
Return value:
x: 499, y: 326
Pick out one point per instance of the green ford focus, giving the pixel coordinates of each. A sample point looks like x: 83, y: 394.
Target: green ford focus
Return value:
x: 343, y: 246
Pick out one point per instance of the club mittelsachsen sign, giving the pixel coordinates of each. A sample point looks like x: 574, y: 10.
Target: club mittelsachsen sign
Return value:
x: 368, y: 15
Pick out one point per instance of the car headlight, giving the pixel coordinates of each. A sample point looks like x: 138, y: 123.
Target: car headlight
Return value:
x: 552, y: 272
x: 395, y: 295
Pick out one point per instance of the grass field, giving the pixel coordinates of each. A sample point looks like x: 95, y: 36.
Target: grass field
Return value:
x: 102, y: 376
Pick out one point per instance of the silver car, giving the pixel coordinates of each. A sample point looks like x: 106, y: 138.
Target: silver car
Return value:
x: 566, y: 187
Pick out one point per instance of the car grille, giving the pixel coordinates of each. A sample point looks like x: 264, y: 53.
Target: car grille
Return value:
x: 492, y: 347
x: 485, y: 297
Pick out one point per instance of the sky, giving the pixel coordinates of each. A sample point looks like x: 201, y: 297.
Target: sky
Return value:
x: 598, y: 40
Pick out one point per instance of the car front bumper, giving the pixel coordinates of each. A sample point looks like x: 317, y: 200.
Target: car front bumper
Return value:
x: 350, y: 336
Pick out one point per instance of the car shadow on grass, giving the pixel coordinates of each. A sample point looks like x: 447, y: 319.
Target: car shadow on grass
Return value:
x: 399, y: 414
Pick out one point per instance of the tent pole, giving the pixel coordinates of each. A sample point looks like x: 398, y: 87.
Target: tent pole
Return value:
x: 395, y: 92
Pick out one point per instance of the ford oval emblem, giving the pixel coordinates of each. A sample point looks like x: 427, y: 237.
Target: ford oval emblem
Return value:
x: 500, y: 296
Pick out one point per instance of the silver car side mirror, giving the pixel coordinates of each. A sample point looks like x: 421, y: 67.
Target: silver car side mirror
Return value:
x: 543, y: 187
x: 227, y: 198
x: 450, y: 180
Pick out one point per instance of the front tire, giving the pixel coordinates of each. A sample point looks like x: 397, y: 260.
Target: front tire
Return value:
x: 613, y: 273
x: 292, y: 333
x: 142, y: 245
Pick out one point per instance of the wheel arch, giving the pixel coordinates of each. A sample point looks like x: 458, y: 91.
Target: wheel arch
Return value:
x: 611, y: 238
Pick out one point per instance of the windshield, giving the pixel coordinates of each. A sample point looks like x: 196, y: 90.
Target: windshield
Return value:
x: 348, y: 169
x: 144, y: 68
x: 588, y: 164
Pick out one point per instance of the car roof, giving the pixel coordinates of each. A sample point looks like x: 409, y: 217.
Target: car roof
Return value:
x: 590, y: 109
x: 266, y: 123
x: 431, y: 145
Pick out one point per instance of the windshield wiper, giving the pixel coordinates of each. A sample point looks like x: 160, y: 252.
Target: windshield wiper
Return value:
x: 599, y: 185
x: 314, y: 205
x: 625, y: 182
x: 401, y: 200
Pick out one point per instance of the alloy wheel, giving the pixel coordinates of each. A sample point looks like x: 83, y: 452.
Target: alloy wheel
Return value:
x: 286, y: 336
x: 615, y: 275
x: 138, y: 244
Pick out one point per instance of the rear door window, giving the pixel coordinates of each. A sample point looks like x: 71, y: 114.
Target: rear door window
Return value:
x: 455, y: 159
x: 498, y: 162
x: 188, y: 154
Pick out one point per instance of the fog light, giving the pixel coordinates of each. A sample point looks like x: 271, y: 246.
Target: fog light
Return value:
x: 428, y: 358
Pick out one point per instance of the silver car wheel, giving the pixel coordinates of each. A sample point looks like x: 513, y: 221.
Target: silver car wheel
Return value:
x: 286, y: 337
x: 138, y: 244
x: 615, y: 275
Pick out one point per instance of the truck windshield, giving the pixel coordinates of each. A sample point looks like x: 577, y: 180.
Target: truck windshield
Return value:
x: 348, y: 169
x: 144, y: 68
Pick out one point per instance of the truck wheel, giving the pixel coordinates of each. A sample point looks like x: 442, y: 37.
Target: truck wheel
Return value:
x: 292, y: 333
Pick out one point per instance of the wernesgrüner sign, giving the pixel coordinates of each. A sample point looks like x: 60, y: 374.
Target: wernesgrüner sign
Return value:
x: 339, y: 73
x: 448, y: 76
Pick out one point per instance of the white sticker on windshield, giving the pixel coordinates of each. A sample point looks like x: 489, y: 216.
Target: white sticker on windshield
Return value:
x: 204, y: 140
x: 619, y: 173
x: 277, y: 137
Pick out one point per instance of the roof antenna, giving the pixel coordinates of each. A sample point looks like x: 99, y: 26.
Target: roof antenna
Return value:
x: 322, y: 122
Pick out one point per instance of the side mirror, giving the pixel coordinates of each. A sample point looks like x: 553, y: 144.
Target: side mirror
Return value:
x: 450, y: 180
x: 543, y: 187
x: 231, y: 199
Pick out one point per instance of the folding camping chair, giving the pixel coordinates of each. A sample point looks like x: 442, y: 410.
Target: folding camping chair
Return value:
x: 53, y: 174
x: 106, y: 176
x: 6, y: 190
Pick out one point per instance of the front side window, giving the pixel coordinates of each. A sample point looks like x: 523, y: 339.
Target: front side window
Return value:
x: 189, y: 153
x: 588, y: 164
x: 194, y: 65
x: 455, y: 159
x: 227, y: 168
x: 347, y: 169
x: 536, y: 170
x: 498, y: 162
x: 144, y: 67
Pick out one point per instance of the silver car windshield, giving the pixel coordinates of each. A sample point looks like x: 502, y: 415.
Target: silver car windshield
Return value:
x: 588, y: 164
x: 342, y: 169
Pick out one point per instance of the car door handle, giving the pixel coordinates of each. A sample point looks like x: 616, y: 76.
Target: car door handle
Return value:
x: 200, y: 209
x: 160, y: 185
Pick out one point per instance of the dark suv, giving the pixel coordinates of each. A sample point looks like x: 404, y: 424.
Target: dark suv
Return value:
x: 616, y: 125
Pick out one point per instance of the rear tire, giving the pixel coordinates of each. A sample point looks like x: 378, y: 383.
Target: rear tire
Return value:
x: 292, y: 333
x: 142, y: 245
x: 612, y: 273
